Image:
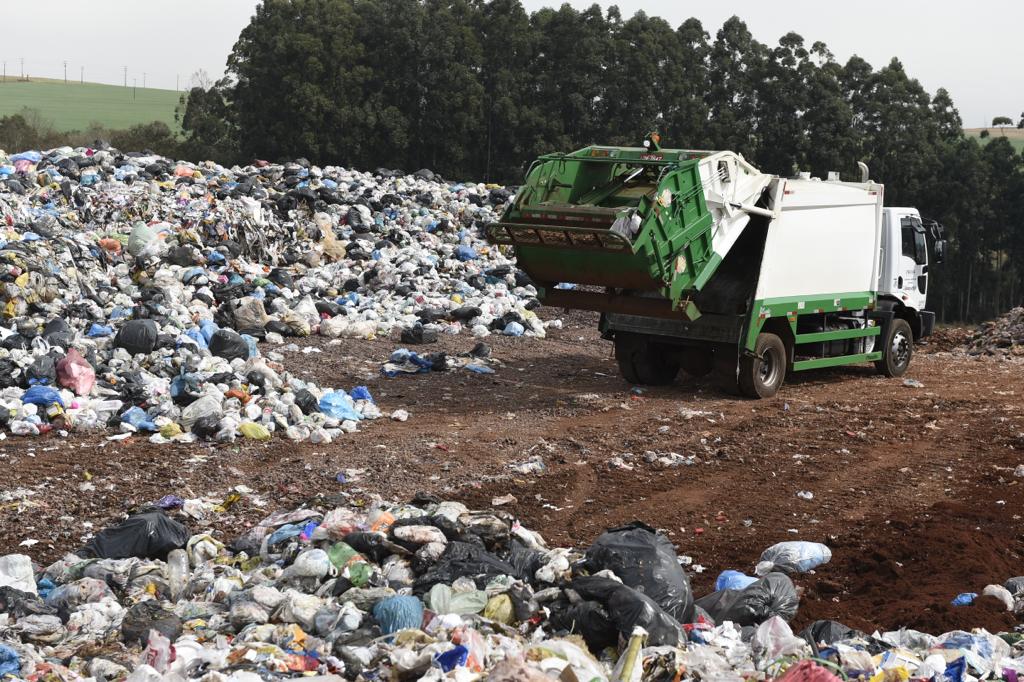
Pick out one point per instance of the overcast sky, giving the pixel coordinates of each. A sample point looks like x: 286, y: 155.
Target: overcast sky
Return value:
x: 974, y: 51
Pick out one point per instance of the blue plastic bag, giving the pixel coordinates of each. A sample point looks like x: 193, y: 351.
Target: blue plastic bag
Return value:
x: 138, y: 418
x: 10, y: 662
x: 250, y: 341
x: 196, y: 335
x: 361, y: 393
x: 452, y: 659
x: 733, y: 580
x: 465, y: 253
x: 964, y: 599
x: 285, y: 532
x: 514, y: 329
x: 338, y: 405
x: 44, y: 396
x: 208, y: 329
x: 401, y: 612
x: 99, y: 330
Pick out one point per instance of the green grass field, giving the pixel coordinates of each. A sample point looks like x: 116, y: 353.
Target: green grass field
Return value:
x: 1015, y: 135
x: 74, y: 106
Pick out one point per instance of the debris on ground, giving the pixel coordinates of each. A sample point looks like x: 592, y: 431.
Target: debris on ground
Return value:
x: 1003, y: 336
x: 432, y: 590
x: 155, y: 297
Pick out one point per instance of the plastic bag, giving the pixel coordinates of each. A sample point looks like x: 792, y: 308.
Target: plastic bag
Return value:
x: 43, y: 396
x: 339, y: 405
x: 827, y: 632
x: 150, y: 535
x: 396, y: 613
x: 254, y: 431
x: 628, y: 608
x: 773, y: 639
x: 148, y: 616
x: 733, y: 580
x: 16, y: 571
x: 10, y: 662
x: 772, y: 595
x: 43, y: 370
x: 75, y: 372
x: 137, y: 336
x: 795, y: 556
x: 228, y: 345
x: 646, y: 561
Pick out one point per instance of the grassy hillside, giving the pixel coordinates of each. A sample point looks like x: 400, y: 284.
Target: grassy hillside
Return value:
x: 1015, y: 135
x: 74, y: 106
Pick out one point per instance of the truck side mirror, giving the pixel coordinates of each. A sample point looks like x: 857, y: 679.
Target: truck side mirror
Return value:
x: 940, y: 250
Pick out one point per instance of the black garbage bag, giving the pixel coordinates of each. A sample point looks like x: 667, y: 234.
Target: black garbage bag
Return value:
x: 17, y: 342
x: 416, y: 335
x: 330, y: 308
x: 20, y: 604
x: 57, y: 332
x: 461, y: 559
x: 228, y: 345
x: 279, y: 327
x: 137, y: 336
x: 1015, y: 586
x: 466, y: 313
x: 207, y: 426
x: 646, y: 561
x: 307, y: 402
x: 590, y: 620
x: 145, y: 616
x: 772, y: 595
x: 43, y: 370
x: 628, y: 608
x: 149, y: 535
x: 827, y: 632
x: 182, y: 255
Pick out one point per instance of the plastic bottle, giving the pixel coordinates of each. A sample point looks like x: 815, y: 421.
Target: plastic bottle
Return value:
x: 177, y: 572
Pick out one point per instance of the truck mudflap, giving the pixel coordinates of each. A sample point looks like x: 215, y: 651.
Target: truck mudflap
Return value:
x: 927, y: 323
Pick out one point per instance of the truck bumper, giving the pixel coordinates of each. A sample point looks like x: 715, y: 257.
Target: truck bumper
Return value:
x: 927, y: 322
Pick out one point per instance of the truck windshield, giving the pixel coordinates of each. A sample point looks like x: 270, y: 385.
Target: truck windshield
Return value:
x: 914, y: 243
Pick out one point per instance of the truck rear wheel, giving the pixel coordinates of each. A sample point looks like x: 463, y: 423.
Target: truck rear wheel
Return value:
x: 644, y: 362
x: 897, y: 349
x: 697, y: 362
x: 762, y: 374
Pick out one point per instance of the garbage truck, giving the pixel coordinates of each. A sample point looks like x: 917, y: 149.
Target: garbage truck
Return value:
x: 698, y: 261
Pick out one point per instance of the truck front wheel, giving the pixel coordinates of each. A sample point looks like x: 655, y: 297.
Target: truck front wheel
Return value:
x: 762, y: 373
x: 643, y: 362
x: 897, y: 349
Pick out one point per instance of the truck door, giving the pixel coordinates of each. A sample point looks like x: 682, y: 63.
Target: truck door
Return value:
x: 913, y: 267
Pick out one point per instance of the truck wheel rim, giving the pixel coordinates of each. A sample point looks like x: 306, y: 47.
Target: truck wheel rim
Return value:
x: 900, y: 349
x: 768, y: 368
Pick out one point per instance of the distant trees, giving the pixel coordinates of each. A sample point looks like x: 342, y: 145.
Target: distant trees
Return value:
x: 1000, y: 121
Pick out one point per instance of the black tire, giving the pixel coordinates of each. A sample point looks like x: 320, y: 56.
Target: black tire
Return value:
x: 897, y: 349
x: 762, y: 374
x: 643, y: 362
x: 697, y: 362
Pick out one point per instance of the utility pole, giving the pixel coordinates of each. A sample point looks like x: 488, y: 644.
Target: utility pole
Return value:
x: 65, y: 72
x: 126, y: 76
x: 177, y: 82
x: 82, y: 75
x: 143, y: 80
x: 5, y: 72
x: 22, y: 59
x: 134, y: 82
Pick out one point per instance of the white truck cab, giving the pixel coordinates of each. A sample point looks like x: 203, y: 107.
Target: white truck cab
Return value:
x: 903, y: 272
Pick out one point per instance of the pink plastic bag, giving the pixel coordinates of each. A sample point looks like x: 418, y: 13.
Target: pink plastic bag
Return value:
x: 75, y: 372
x: 808, y: 671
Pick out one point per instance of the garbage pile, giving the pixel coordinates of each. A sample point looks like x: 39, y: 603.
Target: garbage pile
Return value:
x: 137, y: 292
x: 431, y: 590
x: 1003, y: 336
